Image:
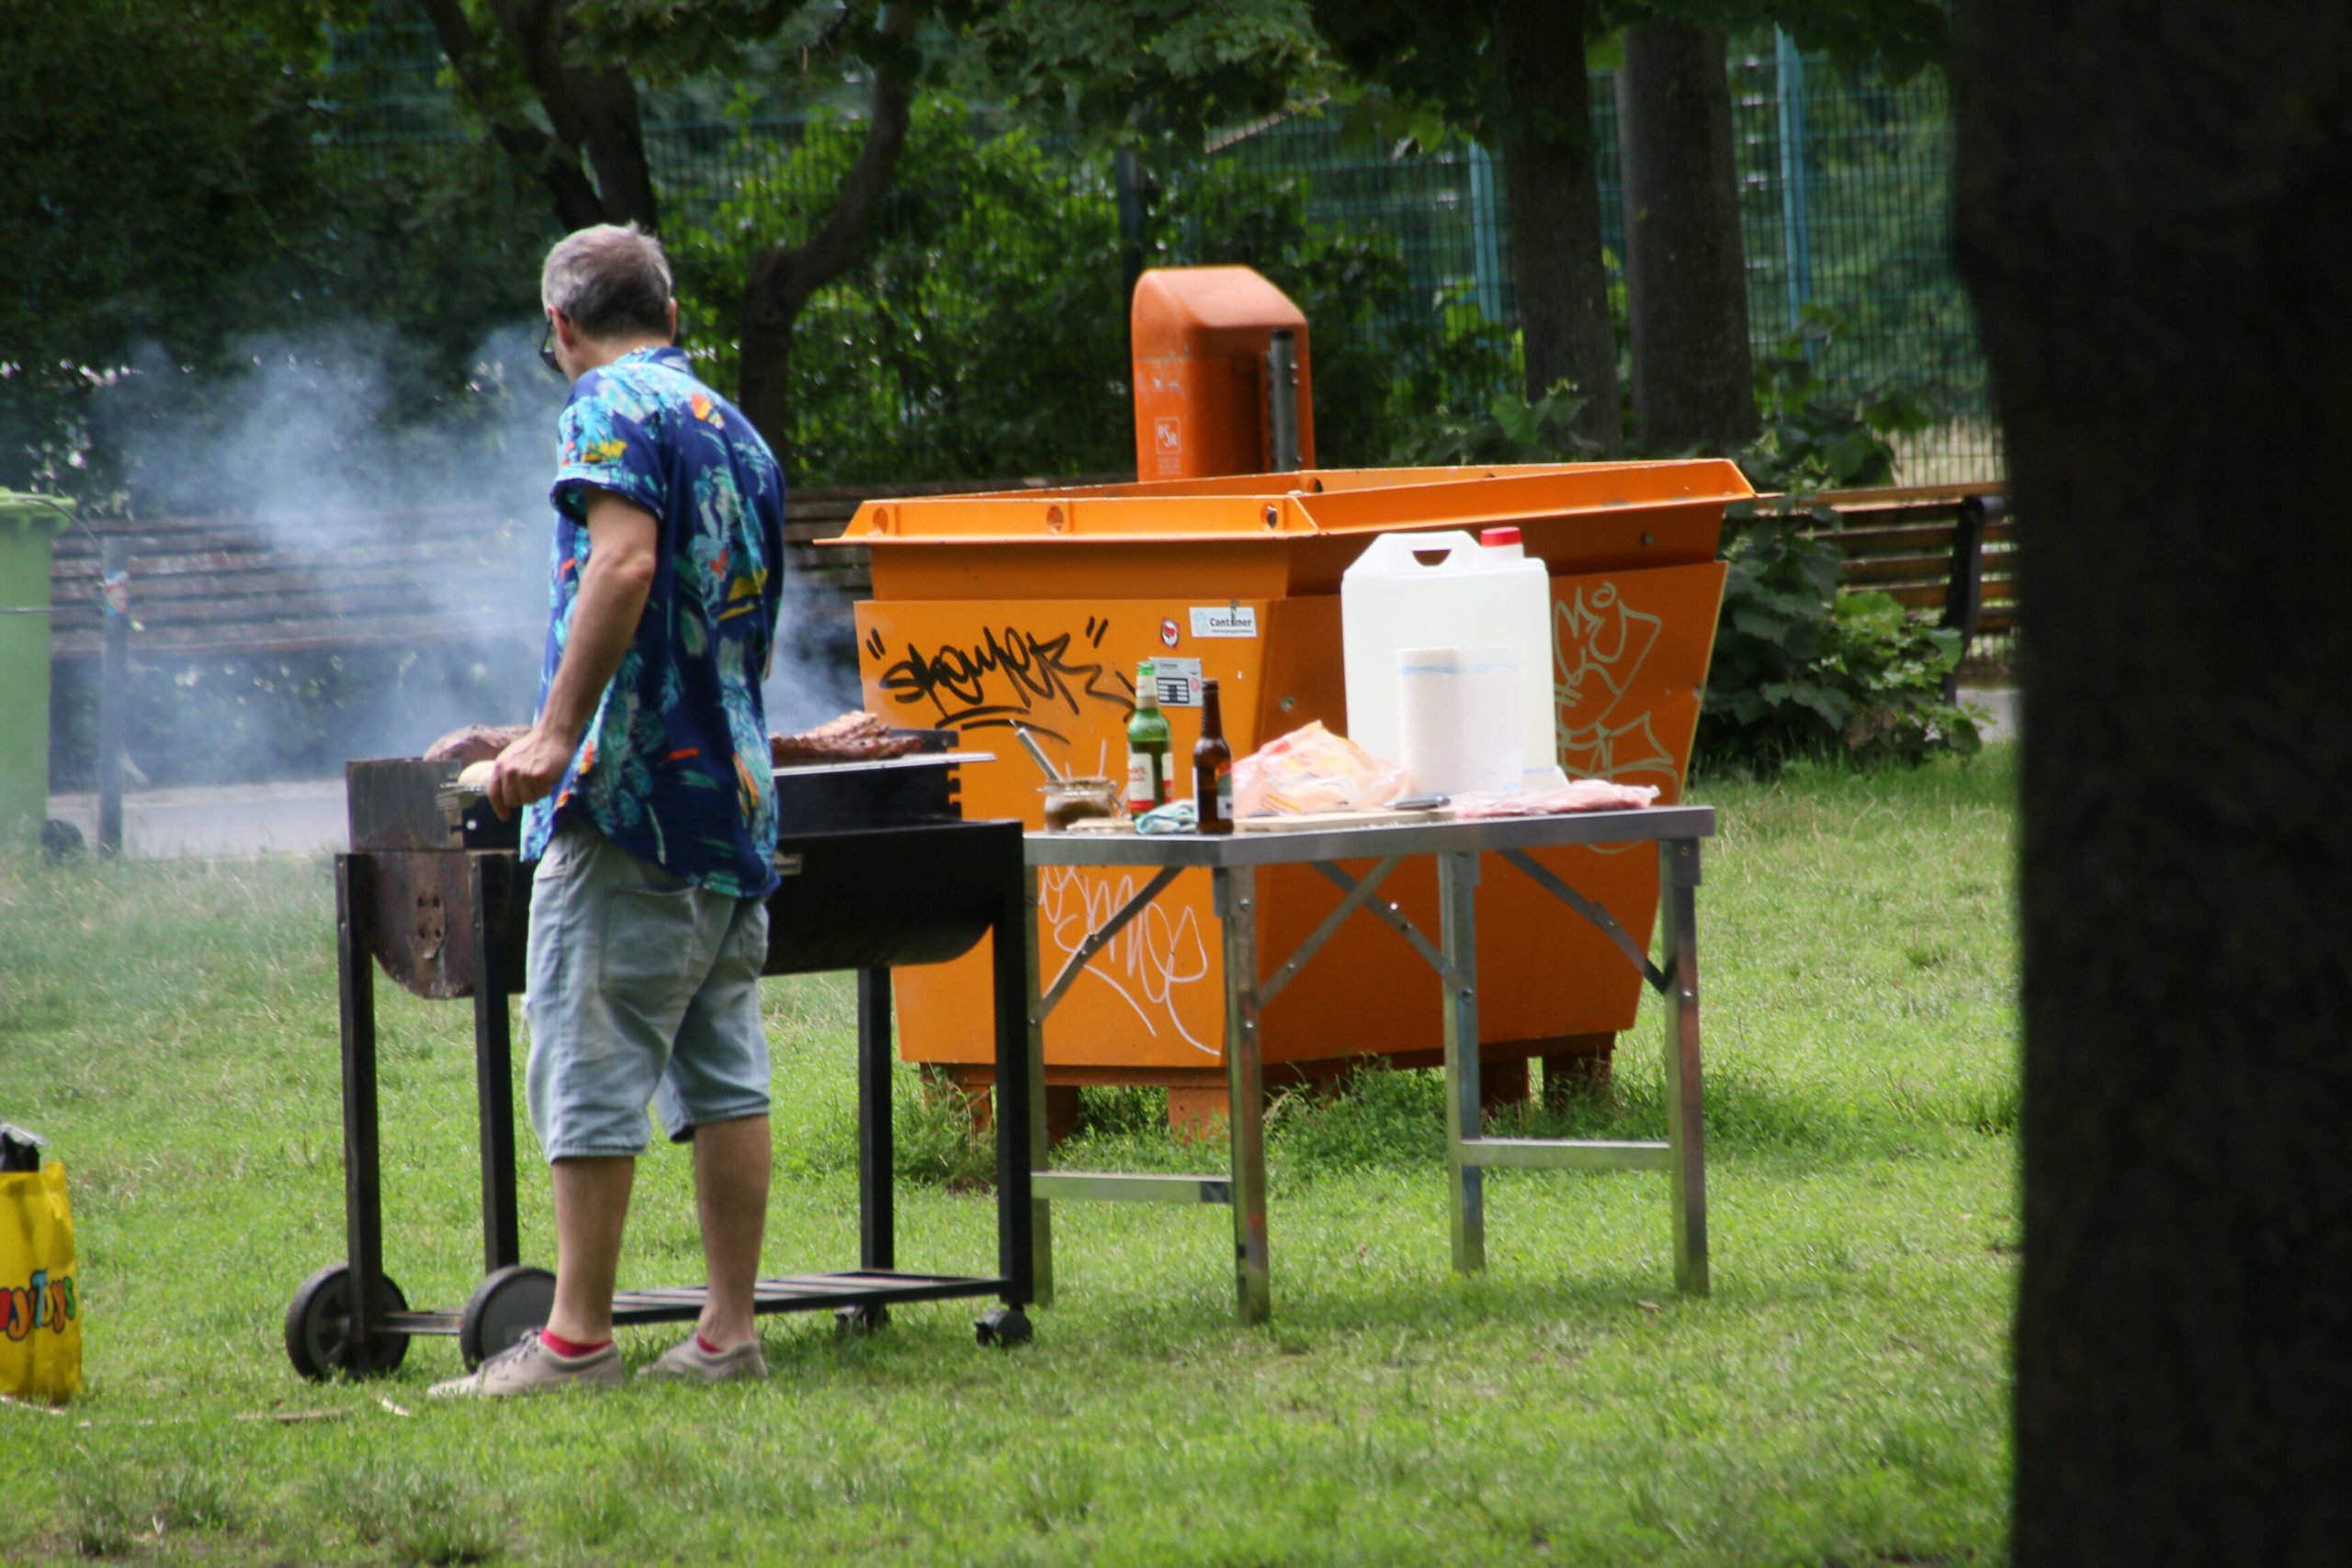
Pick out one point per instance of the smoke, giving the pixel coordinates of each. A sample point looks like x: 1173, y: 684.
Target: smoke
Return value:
x: 317, y: 434
x: 815, y: 674
x: 352, y: 453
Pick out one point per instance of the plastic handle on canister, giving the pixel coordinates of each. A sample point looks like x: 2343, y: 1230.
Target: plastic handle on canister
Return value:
x: 1402, y: 552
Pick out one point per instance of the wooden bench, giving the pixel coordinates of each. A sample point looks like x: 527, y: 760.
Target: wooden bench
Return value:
x: 414, y: 577
x: 1944, y: 551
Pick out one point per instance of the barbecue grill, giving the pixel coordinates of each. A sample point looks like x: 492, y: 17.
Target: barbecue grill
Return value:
x: 878, y: 870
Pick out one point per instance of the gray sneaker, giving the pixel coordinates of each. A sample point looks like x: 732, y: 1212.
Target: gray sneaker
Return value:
x: 528, y: 1366
x: 689, y: 1362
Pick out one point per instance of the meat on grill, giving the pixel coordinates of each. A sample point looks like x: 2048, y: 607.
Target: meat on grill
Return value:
x: 475, y: 743
x: 853, y: 738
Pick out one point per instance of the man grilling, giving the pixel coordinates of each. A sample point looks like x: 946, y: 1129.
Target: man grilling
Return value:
x: 649, y: 809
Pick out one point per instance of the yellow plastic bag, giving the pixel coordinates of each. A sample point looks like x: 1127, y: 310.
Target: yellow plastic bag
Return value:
x: 41, y: 1303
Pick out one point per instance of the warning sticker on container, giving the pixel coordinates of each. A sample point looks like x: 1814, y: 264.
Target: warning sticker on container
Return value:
x: 1176, y: 682
x: 1234, y: 620
x: 1168, y: 437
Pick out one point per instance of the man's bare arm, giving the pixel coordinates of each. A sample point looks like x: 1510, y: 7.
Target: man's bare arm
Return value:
x: 624, y: 544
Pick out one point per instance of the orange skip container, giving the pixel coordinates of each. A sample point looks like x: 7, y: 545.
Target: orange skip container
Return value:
x: 1035, y: 606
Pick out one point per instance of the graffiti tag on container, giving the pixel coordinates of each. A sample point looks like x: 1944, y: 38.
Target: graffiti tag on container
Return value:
x: 1007, y: 675
x: 1600, y: 645
x: 1145, y: 963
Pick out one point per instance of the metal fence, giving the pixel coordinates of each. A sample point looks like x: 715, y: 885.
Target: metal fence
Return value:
x: 1844, y: 193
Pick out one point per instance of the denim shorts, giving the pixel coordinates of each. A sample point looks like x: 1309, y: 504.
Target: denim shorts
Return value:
x: 642, y: 987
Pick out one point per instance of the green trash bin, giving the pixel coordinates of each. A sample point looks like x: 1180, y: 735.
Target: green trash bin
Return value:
x: 28, y: 525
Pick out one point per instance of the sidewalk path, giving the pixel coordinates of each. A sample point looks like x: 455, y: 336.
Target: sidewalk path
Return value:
x: 2001, y: 703
x: 305, y: 816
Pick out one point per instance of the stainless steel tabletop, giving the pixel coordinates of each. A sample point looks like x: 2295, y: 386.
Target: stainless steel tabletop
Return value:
x: 1437, y: 836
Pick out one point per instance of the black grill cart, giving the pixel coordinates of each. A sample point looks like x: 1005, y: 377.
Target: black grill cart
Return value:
x: 879, y: 871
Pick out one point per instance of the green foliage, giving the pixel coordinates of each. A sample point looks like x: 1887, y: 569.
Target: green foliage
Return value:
x: 665, y: 43
x: 1801, y: 670
x: 1506, y: 428
x: 161, y: 220
x: 1814, y: 435
x: 141, y: 202
x: 984, y: 336
x: 1346, y: 280
x: 1798, y: 670
x: 1127, y: 70
x: 981, y: 335
x: 1456, y: 398
x: 1898, y: 37
x: 441, y: 245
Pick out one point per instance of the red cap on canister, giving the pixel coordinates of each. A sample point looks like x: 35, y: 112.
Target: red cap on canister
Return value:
x: 1492, y: 537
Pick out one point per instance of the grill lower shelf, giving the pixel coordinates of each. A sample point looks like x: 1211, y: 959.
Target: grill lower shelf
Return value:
x: 785, y: 1292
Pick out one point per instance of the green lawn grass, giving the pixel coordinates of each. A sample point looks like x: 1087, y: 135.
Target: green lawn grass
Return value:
x: 1841, y: 1397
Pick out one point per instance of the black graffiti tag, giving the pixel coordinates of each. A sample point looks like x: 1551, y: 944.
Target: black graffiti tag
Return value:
x: 1008, y: 675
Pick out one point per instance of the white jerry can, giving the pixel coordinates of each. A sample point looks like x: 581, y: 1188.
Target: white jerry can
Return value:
x: 1446, y: 591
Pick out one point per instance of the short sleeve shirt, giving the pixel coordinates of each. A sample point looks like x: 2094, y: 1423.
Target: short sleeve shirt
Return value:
x: 675, y: 766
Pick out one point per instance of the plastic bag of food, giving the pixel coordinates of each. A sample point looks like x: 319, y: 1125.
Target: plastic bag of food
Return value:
x: 1314, y: 770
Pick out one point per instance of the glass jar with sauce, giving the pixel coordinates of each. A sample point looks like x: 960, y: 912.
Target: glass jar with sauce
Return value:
x: 1071, y: 801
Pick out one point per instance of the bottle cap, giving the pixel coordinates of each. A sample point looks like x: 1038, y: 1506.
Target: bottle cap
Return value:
x: 1491, y: 538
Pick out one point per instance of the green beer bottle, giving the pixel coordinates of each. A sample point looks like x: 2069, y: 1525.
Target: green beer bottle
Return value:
x: 1148, y: 781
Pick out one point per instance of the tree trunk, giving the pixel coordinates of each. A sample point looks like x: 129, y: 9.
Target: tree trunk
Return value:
x: 1686, y: 279
x: 2153, y: 210
x: 783, y: 277
x: 613, y: 136
x: 764, y: 360
x: 1548, y: 174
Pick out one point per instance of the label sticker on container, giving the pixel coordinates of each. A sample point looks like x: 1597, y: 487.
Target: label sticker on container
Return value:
x: 1234, y: 620
x: 1177, y: 683
x: 1168, y: 437
x: 1167, y: 633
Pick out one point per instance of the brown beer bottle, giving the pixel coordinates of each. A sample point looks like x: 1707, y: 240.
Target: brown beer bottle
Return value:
x: 1212, y: 768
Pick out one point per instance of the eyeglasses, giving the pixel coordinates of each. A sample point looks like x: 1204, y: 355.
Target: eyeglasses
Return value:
x: 555, y: 366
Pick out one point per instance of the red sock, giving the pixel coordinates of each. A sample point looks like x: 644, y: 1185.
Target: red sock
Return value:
x: 568, y: 1348
x: 708, y: 1347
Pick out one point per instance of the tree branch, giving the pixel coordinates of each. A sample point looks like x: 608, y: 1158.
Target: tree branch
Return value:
x: 782, y: 278
x: 614, y: 137
x: 801, y: 270
x: 536, y: 29
x: 545, y: 158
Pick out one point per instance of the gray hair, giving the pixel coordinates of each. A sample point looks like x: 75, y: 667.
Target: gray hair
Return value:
x: 610, y: 281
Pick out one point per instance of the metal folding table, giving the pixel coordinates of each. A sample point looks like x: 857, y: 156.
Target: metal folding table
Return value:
x: 1233, y: 862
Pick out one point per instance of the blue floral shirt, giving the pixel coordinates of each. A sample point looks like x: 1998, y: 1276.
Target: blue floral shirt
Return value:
x: 674, y: 767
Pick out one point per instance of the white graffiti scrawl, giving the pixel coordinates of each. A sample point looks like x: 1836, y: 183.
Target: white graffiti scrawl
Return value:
x: 1599, y: 646
x: 1158, y: 951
